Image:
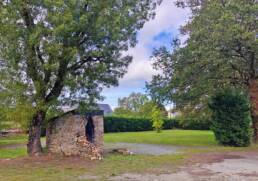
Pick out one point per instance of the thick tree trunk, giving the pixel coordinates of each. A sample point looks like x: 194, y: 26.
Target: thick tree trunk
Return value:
x: 34, y: 147
x: 253, y: 91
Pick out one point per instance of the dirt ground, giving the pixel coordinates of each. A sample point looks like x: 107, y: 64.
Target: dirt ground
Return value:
x: 222, y: 166
x: 230, y: 166
x: 212, y: 166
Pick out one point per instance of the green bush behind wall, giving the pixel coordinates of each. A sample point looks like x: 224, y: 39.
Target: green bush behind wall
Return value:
x: 128, y: 124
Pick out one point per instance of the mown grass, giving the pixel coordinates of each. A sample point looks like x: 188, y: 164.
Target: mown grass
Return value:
x: 167, y: 137
x: 19, y: 139
x: 194, y: 141
x: 111, y: 165
x: 12, y: 153
x: 40, y: 173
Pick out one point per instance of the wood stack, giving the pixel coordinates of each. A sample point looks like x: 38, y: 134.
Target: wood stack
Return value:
x: 90, y: 150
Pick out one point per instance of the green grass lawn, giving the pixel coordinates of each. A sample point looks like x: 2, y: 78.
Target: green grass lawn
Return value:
x: 167, y: 137
x: 13, y: 140
x: 58, y: 171
x: 12, y: 153
x: 63, y: 169
x: 19, y: 139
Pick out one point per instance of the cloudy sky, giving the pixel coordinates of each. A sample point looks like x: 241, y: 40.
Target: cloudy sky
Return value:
x: 154, y: 34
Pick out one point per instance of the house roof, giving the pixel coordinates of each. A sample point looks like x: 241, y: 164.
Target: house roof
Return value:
x: 106, y: 108
x: 103, y: 107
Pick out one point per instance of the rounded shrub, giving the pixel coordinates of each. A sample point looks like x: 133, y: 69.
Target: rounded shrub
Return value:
x: 231, y: 118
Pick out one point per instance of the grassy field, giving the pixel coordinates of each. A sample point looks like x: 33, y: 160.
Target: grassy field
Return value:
x: 48, y: 168
x: 167, y: 137
x: 21, y: 139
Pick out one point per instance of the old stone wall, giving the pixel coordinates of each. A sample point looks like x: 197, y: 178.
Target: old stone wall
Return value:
x: 67, y: 136
x: 99, y: 131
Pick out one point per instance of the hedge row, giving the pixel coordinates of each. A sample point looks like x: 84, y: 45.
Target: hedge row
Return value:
x: 122, y: 124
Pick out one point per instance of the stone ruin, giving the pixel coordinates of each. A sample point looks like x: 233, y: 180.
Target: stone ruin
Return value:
x: 76, y: 135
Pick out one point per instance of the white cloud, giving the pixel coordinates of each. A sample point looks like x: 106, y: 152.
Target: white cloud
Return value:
x: 168, y: 19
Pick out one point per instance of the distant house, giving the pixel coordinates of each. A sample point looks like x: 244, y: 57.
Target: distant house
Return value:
x: 106, y: 108
x: 173, y: 114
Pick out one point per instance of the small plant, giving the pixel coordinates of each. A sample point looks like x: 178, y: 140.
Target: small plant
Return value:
x: 157, y: 119
x: 231, y: 118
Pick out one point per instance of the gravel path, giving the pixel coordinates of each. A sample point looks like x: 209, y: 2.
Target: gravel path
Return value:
x: 147, y: 149
x: 136, y: 148
x: 12, y: 146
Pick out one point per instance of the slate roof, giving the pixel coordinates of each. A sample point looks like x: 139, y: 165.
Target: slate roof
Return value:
x: 103, y: 107
x: 106, y: 108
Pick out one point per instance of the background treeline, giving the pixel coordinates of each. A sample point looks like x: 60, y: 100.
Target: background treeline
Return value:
x: 124, y: 124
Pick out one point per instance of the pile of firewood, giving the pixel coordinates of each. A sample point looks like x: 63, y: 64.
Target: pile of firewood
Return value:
x: 88, y: 149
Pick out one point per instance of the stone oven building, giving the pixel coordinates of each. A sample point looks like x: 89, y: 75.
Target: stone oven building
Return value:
x: 76, y: 135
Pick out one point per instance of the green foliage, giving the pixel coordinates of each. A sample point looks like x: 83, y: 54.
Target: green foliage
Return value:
x: 2, y: 118
x: 156, y: 119
x: 133, y: 102
x: 65, y: 52
x: 16, y: 117
x: 147, y: 108
x: 137, y: 105
x: 130, y: 124
x: 194, y: 124
x: 123, y: 124
x: 20, y: 115
x: 121, y: 112
x: 231, y: 118
x: 221, y: 50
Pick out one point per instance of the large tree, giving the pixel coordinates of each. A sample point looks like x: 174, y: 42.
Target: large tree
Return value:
x: 133, y: 102
x: 138, y: 105
x: 62, y: 52
x: 221, y: 50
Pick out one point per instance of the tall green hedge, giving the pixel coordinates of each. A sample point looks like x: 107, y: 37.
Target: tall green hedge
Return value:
x: 123, y: 124
x: 231, y: 118
x: 128, y: 124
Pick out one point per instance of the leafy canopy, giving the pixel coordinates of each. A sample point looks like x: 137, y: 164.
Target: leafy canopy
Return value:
x: 133, y: 102
x: 221, y: 50
x: 62, y: 52
x: 137, y: 105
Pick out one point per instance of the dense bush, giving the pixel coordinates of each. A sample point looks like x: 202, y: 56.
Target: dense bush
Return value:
x: 194, y: 124
x: 123, y: 124
x: 231, y: 118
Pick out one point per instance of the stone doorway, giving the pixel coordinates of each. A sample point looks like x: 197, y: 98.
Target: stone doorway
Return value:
x: 90, y: 130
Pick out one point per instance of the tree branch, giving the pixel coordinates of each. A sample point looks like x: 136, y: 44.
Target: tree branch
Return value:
x: 32, y: 54
x: 79, y: 64
x: 59, y: 83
